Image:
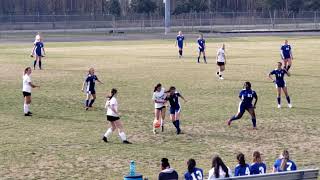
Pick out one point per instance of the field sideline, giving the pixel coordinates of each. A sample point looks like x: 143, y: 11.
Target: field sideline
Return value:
x: 62, y: 141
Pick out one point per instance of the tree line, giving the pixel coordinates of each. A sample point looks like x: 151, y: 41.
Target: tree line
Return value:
x: 125, y: 7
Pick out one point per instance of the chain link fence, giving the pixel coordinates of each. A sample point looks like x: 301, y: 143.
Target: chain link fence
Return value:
x: 217, y: 21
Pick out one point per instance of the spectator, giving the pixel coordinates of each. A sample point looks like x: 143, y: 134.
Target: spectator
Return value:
x: 193, y: 172
x: 242, y: 169
x: 219, y: 169
x: 283, y: 163
x: 257, y: 167
x: 167, y: 173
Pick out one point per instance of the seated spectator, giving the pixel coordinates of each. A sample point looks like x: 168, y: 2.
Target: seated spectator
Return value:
x: 193, y: 172
x: 283, y: 163
x: 257, y: 167
x: 242, y: 169
x: 219, y: 169
x: 167, y: 173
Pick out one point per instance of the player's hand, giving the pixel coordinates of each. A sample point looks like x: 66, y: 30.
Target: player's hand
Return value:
x: 31, y: 55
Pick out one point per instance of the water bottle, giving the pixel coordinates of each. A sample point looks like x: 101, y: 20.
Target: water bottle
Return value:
x: 132, y: 168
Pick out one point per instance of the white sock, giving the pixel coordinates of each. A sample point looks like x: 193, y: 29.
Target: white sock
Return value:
x: 108, y: 133
x: 123, y: 136
x: 25, y: 108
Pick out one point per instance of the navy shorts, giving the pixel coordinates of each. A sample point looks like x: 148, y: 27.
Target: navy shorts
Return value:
x: 174, y: 110
x: 280, y: 84
x: 201, y: 49
x: 244, y: 106
x: 220, y: 63
x: 26, y: 94
x: 287, y: 57
x: 38, y: 53
x: 180, y: 46
x: 91, y: 91
x: 112, y: 118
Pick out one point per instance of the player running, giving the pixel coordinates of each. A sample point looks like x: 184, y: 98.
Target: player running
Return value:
x: 175, y: 108
x: 284, y: 163
x: 193, y: 172
x: 221, y: 61
x: 257, y: 167
x: 280, y: 83
x: 180, y: 41
x: 27, y: 85
x: 202, y: 47
x: 113, y: 117
x: 38, y: 48
x: 89, y: 83
x: 286, y: 55
x: 159, y: 98
x: 246, y: 95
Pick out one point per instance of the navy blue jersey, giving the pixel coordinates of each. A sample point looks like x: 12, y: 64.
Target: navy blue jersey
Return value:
x: 258, y: 168
x: 180, y: 40
x: 290, y: 166
x: 90, y: 80
x: 279, y: 73
x: 286, y: 51
x: 39, y: 46
x: 197, y: 174
x: 174, y: 99
x: 242, y: 170
x: 201, y: 43
x: 247, y: 96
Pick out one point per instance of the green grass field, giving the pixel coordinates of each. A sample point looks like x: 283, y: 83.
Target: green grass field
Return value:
x: 62, y: 141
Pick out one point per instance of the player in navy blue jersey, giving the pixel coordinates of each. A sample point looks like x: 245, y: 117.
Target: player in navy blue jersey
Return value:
x: 202, y: 48
x: 37, y: 50
x: 180, y: 42
x: 286, y: 55
x: 175, y: 108
x: 89, y: 84
x: 246, y: 95
x: 284, y: 163
x: 193, y: 172
x: 279, y: 73
x: 242, y: 169
x: 257, y: 167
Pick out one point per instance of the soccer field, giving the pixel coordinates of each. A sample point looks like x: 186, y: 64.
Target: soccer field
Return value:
x: 63, y: 141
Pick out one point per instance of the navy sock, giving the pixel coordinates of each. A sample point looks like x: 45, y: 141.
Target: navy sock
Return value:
x: 40, y: 64
x: 198, y: 59
x: 254, y: 122
x: 288, y: 67
x: 288, y: 99
x: 34, y: 64
x: 91, y: 102
x: 180, y: 52
x: 234, y: 118
x: 279, y: 100
x: 87, y: 103
x: 205, y: 59
x: 174, y: 123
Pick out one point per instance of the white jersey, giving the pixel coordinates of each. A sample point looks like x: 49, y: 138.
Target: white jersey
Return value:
x: 112, y: 102
x: 26, y: 87
x: 221, y: 173
x: 221, y: 55
x: 159, y: 96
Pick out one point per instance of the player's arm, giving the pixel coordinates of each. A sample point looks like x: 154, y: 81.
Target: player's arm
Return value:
x: 225, y: 58
x: 44, y: 52
x: 291, y: 54
x: 256, y: 100
x: 270, y: 76
x: 281, y: 54
x: 83, y: 85
x: 182, y: 97
x: 33, y: 85
x: 99, y: 81
x: 32, y: 52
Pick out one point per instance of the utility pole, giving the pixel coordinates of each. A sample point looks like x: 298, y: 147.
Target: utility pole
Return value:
x: 167, y: 16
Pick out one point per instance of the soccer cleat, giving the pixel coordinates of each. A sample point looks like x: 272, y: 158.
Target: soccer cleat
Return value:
x: 162, y: 128
x: 229, y: 123
x: 105, y: 139
x: 217, y: 74
x: 154, y: 131
x: 87, y: 108
x: 279, y: 106
x: 27, y: 114
x: 30, y: 113
x: 178, y: 131
x: 126, y: 142
x: 290, y: 105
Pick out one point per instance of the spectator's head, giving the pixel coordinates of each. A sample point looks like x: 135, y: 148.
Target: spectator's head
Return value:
x: 285, y: 157
x: 216, y: 164
x: 165, y: 163
x: 191, y: 165
x: 241, y: 159
x: 257, y: 157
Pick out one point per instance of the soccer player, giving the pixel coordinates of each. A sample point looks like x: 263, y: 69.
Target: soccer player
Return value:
x: 284, y: 163
x: 175, y: 108
x: 286, y: 55
x: 166, y: 171
x: 246, y: 95
x: 27, y: 85
x: 89, y: 83
x: 38, y: 48
x: 159, y: 98
x: 113, y: 117
x: 221, y: 61
x: 242, y: 169
x: 193, y: 172
x: 219, y: 169
x: 202, y: 47
x: 280, y: 83
x: 257, y: 167
x: 180, y: 41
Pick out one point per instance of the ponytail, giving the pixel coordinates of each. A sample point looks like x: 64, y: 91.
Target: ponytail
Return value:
x: 156, y: 87
x: 191, y: 165
x: 165, y: 163
x: 112, y: 93
x: 241, y: 159
x: 257, y: 157
x: 216, y: 164
x: 285, y: 158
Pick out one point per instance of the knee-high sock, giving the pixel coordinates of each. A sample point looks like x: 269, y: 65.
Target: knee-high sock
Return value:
x: 205, y: 59
x: 122, y: 136
x: 288, y: 100
x: 254, y: 122
x: 87, y: 103
x: 233, y: 118
x: 288, y: 67
x: 279, y: 100
x: 198, y: 59
x: 180, y: 52
x: 178, y: 124
x: 40, y: 64
x: 91, y: 102
x: 108, y: 133
x: 34, y: 64
x: 25, y: 108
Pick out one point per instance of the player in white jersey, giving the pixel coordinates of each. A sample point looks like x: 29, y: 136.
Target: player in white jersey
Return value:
x: 221, y: 61
x: 27, y: 85
x: 113, y: 117
x: 159, y: 98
